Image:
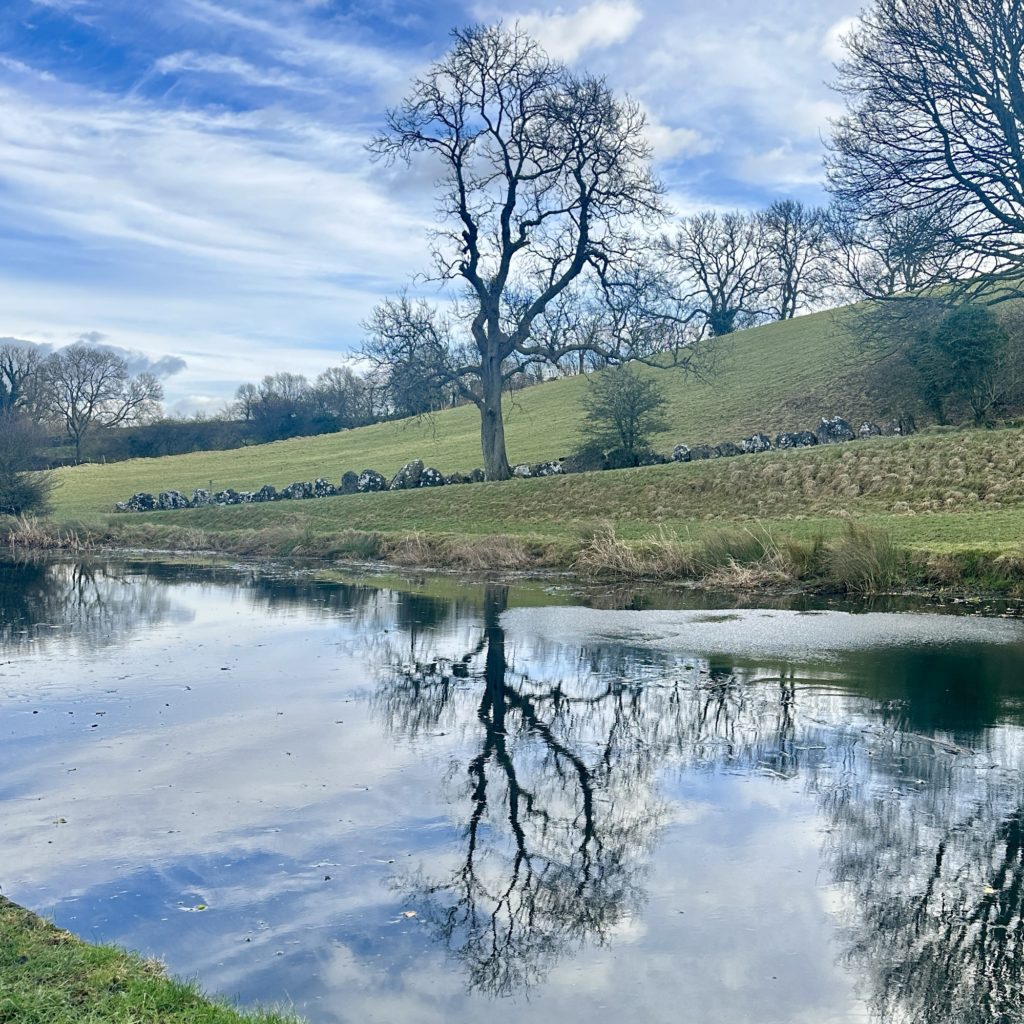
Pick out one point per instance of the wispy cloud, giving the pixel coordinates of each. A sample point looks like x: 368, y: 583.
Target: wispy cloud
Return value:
x: 566, y: 34
x: 833, y: 45
x: 294, y: 44
x: 222, y: 64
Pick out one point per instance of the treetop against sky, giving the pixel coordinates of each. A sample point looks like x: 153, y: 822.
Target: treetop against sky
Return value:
x: 191, y: 179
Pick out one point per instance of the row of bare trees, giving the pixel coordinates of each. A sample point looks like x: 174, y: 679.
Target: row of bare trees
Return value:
x: 737, y: 270
x: 340, y: 398
x: 75, y: 392
x: 551, y: 240
x: 78, y: 389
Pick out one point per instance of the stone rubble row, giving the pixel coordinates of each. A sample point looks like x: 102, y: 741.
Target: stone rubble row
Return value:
x: 414, y: 475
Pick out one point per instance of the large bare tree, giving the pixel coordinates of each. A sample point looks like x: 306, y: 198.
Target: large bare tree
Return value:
x: 935, y: 126
x: 87, y: 387
x: 542, y: 177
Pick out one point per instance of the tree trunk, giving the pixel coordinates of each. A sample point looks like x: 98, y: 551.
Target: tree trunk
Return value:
x: 492, y: 425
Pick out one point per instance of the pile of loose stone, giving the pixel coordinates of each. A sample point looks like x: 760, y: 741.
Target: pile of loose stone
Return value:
x: 415, y: 474
x: 833, y: 430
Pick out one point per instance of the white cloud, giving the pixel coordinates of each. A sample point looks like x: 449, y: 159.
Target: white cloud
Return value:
x: 668, y: 142
x: 222, y: 64
x: 20, y: 68
x: 832, y: 45
x: 290, y: 43
x: 595, y: 26
x: 782, y: 168
x: 222, y: 233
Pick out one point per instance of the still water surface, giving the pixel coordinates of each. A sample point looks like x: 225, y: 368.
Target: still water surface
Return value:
x: 443, y: 802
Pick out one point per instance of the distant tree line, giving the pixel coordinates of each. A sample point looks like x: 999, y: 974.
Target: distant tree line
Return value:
x: 76, y: 392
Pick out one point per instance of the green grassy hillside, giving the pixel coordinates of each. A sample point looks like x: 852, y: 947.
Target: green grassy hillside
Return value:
x: 944, y: 492
x: 778, y: 377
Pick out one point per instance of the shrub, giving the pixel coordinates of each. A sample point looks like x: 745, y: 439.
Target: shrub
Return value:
x: 623, y: 410
x: 21, y: 491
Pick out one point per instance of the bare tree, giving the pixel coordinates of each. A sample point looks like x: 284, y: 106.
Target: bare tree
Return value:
x: 247, y: 397
x: 341, y: 394
x: 19, y: 375
x: 796, y: 240
x: 542, y: 174
x: 88, y: 388
x: 890, y: 257
x: 935, y: 126
x: 720, y: 263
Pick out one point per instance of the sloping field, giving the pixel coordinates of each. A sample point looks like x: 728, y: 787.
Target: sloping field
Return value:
x: 779, y: 377
x: 939, y: 493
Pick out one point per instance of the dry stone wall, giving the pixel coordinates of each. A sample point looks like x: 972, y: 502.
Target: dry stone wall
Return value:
x: 415, y: 475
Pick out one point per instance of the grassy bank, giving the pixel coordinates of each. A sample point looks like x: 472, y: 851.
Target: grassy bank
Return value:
x: 951, y: 504
x: 778, y: 377
x: 47, y: 976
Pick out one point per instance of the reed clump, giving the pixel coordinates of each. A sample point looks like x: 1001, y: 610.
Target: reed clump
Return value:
x: 868, y: 561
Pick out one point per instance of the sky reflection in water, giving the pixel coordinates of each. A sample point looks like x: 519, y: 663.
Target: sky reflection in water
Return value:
x: 405, y: 807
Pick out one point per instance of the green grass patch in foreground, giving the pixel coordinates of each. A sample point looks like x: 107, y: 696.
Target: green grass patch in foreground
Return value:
x: 47, y: 976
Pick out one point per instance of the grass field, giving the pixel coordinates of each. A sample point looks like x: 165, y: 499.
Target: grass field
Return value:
x: 778, y: 377
x: 49, y: 977
x: 944, y: 490
x: 943, y: 494
x: 953, y: 500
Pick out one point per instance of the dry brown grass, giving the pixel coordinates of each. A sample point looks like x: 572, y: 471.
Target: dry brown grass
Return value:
x: 473, y: 554
x: 605, y: 555
x: 867, y: 561
x: 27, y: 533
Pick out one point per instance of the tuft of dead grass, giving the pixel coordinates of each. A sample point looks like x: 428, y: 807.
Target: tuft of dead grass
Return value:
x: 606, y: 555
x: 28, y: 533
x: 474, y: 554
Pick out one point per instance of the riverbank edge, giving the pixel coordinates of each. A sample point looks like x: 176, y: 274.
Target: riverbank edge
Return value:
x: 49, y: 976
x: 862, y: 561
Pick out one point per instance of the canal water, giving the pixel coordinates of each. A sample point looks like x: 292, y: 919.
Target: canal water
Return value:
x: 375, y: 799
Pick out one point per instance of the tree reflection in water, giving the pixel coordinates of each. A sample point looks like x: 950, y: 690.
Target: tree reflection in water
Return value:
x: 559, y: 808
x: 912, y: 757
x: 923, y: 837
x: 92, y: 604
x: 558, y: 789
x: 926, y: 843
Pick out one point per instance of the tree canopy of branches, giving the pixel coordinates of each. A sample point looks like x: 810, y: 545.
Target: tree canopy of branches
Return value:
x: 934, y: 128
x: 623, y: 410
x: 796, y: 244
x: 890, y: 256
x: 542, y: 174
x: 719, y: 263
x: 287, y: 405
x: 88, y: 387
x: 19, y: 376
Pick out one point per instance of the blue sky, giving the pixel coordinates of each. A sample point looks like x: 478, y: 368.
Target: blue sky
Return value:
x: 188, y: 178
